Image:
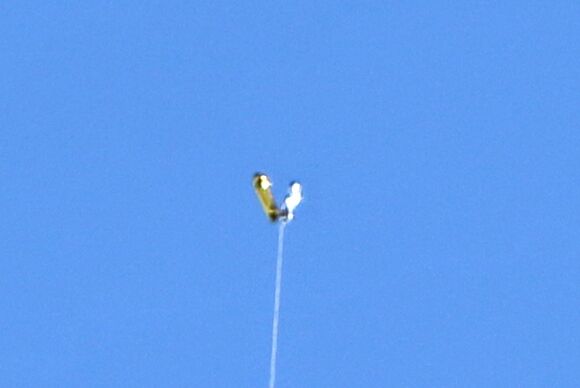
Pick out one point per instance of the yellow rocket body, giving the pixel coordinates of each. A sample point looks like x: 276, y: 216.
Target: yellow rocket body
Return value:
x: 263, y: 189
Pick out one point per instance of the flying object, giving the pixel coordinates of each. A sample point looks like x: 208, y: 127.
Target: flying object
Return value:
x: 263, y: 188
x: 291, y: 201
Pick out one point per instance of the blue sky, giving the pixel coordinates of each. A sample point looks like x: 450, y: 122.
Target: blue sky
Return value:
x: 439, y: 148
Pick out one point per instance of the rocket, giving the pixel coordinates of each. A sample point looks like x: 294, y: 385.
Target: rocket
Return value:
x: 263, y: 188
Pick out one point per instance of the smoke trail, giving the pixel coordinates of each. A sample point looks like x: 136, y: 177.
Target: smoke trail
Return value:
x: 276, y: 320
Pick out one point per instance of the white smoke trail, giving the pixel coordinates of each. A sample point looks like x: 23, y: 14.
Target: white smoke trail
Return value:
x: 279, y: 260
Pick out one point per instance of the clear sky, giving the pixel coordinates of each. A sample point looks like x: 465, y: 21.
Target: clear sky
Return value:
x: 439, y: 148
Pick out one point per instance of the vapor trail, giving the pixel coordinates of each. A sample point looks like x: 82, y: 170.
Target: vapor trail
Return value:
x: 279, y: 260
